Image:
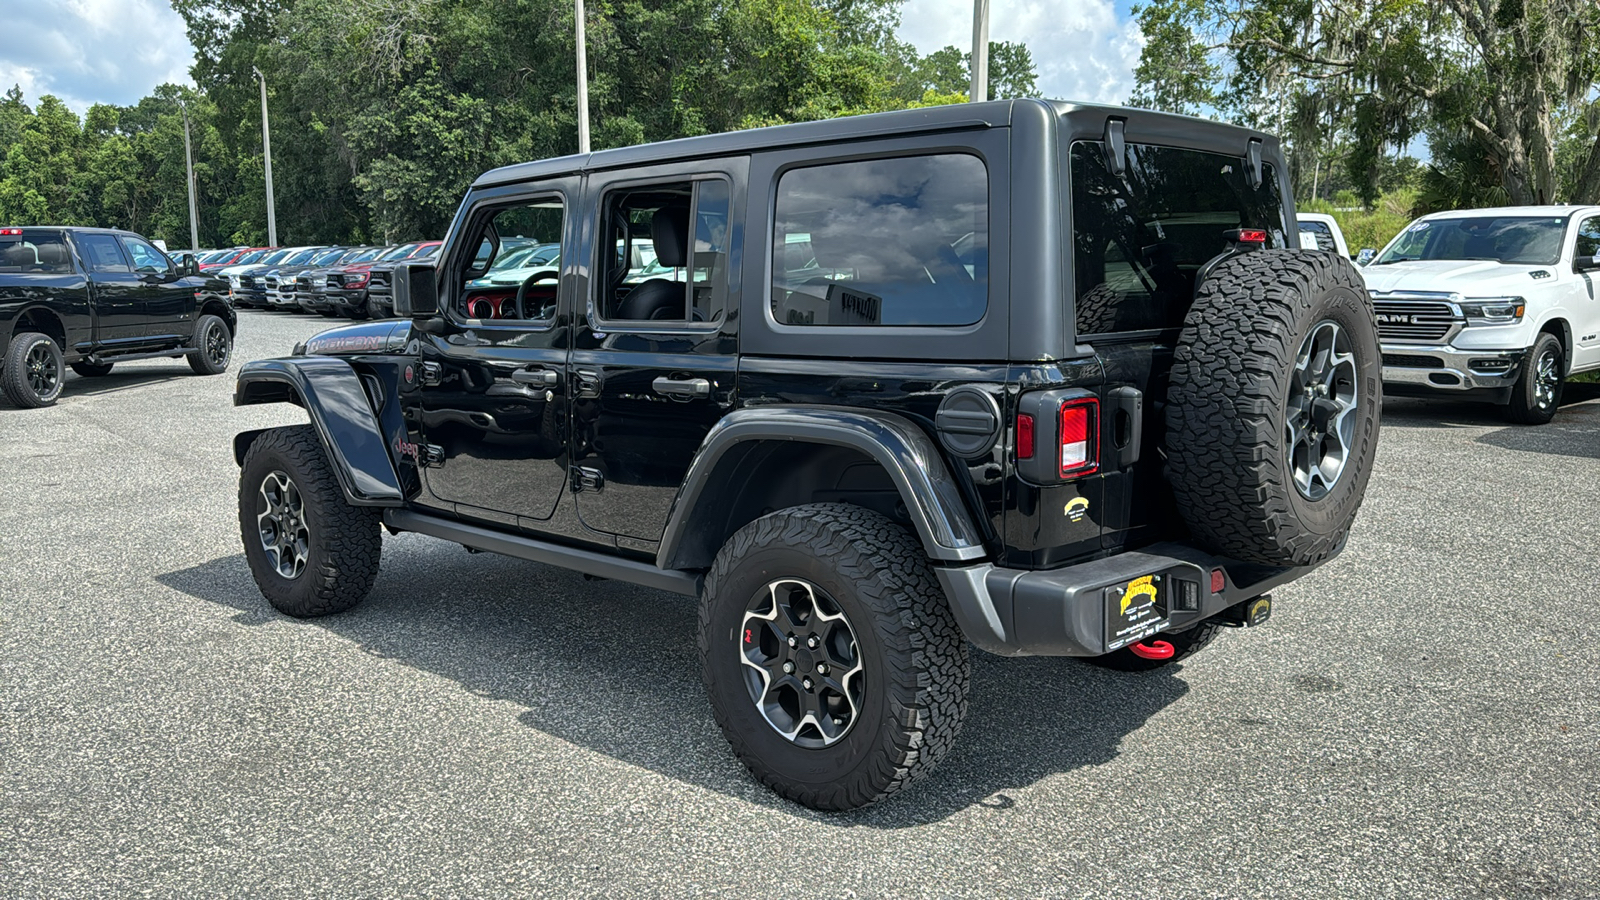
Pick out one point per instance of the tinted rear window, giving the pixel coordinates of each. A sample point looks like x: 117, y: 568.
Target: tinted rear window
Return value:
x: 1140, y: 238
x: 901, y: 241
x: 34, y: 252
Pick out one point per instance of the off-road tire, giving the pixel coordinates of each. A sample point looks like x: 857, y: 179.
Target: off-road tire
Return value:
x: 914, y: 655
x: 344, y: 544
x: 1524, y: 408
x: 1227, y: 405
x: 92, y: 370
x: 23, y: 386
x: 213, y: 346
x: 1184, y: 645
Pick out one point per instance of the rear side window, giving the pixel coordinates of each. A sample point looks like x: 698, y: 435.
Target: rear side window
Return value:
x: 1140, y: 238
x: 35, y: 253
x: 902, y: 241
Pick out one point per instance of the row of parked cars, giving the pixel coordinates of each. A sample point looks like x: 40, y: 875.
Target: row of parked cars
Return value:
x: 332, y: 281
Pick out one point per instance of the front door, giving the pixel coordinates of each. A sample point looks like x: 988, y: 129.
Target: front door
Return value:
x: 1585, y: 299
x: 654, y: 360
x: 487, y: 389
x: 168, y: 297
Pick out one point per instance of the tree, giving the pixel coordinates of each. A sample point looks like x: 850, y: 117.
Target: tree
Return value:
x: 1381, y: 71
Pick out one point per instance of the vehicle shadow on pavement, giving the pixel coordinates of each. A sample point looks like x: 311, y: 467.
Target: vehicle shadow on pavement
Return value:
x: 613, y: 668
x: 117, y: 381
x: 1418, y: 412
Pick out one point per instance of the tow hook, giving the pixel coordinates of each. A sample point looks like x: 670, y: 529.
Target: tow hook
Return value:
x: 1152, y: 650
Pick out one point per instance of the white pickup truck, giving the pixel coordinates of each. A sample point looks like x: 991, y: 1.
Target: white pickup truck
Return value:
x: 1490, y: 304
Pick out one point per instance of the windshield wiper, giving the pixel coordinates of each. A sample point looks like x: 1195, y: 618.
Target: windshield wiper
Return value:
x: 1385, y: 262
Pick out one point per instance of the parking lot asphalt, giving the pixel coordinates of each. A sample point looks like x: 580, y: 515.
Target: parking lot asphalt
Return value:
x: 1420, y: 718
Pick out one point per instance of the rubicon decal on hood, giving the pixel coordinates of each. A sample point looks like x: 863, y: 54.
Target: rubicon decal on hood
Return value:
x: 372, y: 337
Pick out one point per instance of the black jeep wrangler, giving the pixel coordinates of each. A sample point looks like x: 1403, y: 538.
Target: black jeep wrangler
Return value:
x: 1044, y: 377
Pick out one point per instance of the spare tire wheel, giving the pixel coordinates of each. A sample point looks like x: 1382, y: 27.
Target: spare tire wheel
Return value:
x: 1274, y: 405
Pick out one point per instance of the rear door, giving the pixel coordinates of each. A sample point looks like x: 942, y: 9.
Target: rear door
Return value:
x: 654, y: 357
x: 1139, y: 239
x: 118, y: 291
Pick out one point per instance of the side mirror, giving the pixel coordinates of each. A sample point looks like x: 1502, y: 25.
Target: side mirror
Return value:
x: 1587, y: 263
x: 416, y: 292
x: 1366, y: 255
x: 188, y: 265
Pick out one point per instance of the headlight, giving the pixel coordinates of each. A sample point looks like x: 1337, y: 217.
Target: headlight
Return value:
x: 1493, y: 310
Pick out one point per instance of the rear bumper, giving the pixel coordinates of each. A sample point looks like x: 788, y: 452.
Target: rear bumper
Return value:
x: 1063, y: 612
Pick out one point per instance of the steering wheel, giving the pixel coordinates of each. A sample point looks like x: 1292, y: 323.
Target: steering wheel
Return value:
x: 531, y: 280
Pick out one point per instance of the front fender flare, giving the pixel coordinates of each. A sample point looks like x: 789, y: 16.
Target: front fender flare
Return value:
x: 932, y: 497
x: 331, y: 392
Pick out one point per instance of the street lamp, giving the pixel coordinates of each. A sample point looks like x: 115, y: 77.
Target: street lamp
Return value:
x: 266, y: 145
x: 188, y: 162
x: 583, y: 84
x: 980, y: 52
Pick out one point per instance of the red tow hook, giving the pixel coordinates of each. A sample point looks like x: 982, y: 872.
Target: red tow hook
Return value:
x: 1153, y: 650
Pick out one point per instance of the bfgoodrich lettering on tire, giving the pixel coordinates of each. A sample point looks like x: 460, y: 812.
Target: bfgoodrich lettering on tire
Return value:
x: 834, y: 665
x: 1274, y: 405
x: 311, y: 553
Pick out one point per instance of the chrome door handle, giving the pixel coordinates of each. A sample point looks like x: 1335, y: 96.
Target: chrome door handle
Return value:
x: 535, y: 376
x: 689, y: 387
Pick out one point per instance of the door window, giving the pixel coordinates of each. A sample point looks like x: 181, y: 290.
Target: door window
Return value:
x: 1589, y: 238
x: 502, y: 282
x: 147, y: 260
x: 102, y: 253
x: 901, y: 241
x: 665, y: 255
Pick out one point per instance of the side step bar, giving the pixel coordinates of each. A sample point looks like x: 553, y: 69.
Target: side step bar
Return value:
x: 175, y: 353
x: 585, y: 561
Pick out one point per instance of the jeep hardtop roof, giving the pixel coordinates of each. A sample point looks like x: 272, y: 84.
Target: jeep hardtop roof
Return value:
x: 1083, y: 121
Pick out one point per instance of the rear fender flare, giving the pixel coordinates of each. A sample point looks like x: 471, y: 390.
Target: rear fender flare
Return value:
x: 331, y: 393
x: 932, y: 498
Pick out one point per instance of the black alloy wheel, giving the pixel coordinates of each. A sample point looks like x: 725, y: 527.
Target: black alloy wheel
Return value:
x: 32, y: 372
x: 802, y: 666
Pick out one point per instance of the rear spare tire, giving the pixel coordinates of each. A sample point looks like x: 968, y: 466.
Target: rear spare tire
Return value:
x: 1274, y: 405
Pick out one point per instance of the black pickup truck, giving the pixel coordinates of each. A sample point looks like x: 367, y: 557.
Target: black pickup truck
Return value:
x: 93, y: 297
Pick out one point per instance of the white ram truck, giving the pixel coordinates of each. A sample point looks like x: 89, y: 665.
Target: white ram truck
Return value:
x: 1498, y: 305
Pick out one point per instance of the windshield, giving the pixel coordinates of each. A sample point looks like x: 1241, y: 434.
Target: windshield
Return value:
x: 400, y: 252
x: 328, y: 257
x: 365, y: 255
x: 274, y: 257
x: 301, y: 257
x: 1514, y: 240
x: 249, y: 258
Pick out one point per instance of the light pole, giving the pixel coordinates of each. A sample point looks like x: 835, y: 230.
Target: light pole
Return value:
x: 188, y: 162
x: 980, y: 51
x: 583, y: 83
x: 266, y: 146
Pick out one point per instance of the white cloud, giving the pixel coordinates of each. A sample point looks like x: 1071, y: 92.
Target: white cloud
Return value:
x: 1083, y: 49
x: 94, y: 51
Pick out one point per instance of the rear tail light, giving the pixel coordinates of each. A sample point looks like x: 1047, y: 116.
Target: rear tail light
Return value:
x: 1080, y: 437
x: 1058, y: 435
x: 10, y: 231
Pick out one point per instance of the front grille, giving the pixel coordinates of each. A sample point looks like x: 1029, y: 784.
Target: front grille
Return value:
x: 1414, y: 321
x: 334, y: 281
x: 380, y: 276
x: 303, y: 282
x: 1406, y: 361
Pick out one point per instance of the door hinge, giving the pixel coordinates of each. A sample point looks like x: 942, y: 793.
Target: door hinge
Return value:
x: 432, y: 455
x: 587, y: 383
x: 432, y: 374
x: 586, y: 479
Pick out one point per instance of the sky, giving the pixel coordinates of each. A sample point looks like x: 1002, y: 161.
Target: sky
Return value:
x: 116, y: 51
x: 92, y: 51
x: 1083, y: 49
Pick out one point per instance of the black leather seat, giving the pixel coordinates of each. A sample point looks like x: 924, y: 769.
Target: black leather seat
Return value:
x: 53, y: 257
x: 662, y: 298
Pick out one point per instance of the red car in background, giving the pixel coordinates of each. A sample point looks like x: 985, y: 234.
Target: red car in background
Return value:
x: 346, y: 288
x: 229, y: 258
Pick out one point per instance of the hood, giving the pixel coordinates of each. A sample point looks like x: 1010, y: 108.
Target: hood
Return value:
x: 387, y: 336
x: 1467, y: 277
